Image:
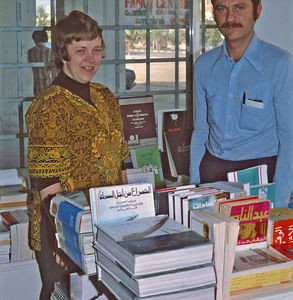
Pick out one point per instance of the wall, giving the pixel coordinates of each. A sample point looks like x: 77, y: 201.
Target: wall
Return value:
x: 276, y: 23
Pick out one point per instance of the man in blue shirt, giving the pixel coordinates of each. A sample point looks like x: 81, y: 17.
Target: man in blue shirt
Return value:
x: 243, y: 103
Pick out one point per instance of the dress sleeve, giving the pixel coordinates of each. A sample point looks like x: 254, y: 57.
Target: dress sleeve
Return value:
x: 48, y: 153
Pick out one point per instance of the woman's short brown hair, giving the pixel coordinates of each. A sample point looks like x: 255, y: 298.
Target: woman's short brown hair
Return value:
x: 77, y: 26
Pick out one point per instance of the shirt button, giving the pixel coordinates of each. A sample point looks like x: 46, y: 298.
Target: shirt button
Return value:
x: 225, y: 151
x: 227, y: 136
x: 233, y: 75
x: 230, y: 96
x: 229, y: 116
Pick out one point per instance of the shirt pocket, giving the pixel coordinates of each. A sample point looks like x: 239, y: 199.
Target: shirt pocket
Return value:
x: 251, y: 118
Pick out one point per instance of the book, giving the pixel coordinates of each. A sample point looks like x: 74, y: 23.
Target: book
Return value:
x: 82, y: 241
x: 265, y: 191
x: 4, y: 243
x: 121, y: 203
x: 161, y: 197
x: 11, y: 178
x: 178, y: 150
x: 223, y: 231
x: 280, y: 226
x: 77, y: 198
x: 236, y: 189
x: 16, y: 222
x: 173, y: 195
x: 70, y: 214
x: 123, y: 292
x: 137, y: 175
x: 253, y: 217
x: 153, y: 244
x: 139, y: 121
x: 254, y: 175
x: 160, y: 283
x: 259, y: 267
x: 85, y: 262
x: 163, y: 123
x: 148, y: 158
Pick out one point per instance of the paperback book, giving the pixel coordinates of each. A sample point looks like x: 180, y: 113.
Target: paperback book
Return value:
x: 153, y: 244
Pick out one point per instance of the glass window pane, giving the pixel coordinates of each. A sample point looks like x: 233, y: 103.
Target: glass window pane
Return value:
x: 162, y: 41
x: 42, y: 13
x: 103, y: 11
x: 109, y: 40
x: 9, y: 154
x: 8, y: 87
x: 8, y: 48
x: 140, y: 76
x: 106, y: 76
x: 135, y: 44
x: 9, y: 117
x: 7, y: 13
x: 162, y: 75
x: 182, y: 75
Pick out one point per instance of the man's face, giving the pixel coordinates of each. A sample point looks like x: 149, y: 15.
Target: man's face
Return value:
x: 85, y: 59
x: 235, y: 19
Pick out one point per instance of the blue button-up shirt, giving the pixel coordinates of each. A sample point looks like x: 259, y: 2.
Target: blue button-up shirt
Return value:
x: 231, y: 127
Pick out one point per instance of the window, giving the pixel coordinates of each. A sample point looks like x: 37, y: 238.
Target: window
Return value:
x: 148, y: 49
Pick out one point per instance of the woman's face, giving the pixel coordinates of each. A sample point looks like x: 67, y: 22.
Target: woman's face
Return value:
x: 84, y: 59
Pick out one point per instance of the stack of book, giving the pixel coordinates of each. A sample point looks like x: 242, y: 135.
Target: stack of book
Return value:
x: 13, y: 190
x: 16, y: 222
x: 155, y: 257
x: 4, y: 243
x: 74, y: 228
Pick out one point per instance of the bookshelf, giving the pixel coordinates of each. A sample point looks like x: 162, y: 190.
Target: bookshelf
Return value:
x: 20, y: 280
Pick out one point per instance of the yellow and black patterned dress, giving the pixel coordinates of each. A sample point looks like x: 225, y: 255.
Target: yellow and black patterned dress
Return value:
x: 80, y: 143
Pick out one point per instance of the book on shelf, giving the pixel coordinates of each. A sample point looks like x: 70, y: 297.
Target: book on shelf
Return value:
x: 265, y: 191
x: 280, y: 229
x: 235, y: 189
x: 254, y: 175
x: 160, y: 283
x: 120, y: 203
x: 149, y: 159
x: 4, y: 243
x: 139, y: 121
x: 123, y: 292
x: 178, y: 151
x: 77, y: 198
x: 161, y: 197
x: 85, y: 262
x: 12, y: 178
x: 71, y: 214
x: 255, y: 268
x: 165, y: 122
x: 253, y: 219
x: 137, y: 175
x: 223, y: 231
x: 181, y: 202
x: 153, y: 244
x: 82, y: 241
x: 16, y: 222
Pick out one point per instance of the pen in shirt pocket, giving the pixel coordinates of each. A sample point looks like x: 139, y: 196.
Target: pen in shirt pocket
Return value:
x: 257, y: 103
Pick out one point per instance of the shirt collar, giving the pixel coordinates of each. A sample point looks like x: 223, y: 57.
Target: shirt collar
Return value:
x: 252, y: 55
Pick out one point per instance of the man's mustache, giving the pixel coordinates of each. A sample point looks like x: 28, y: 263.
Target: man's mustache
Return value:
x: 231, y: 25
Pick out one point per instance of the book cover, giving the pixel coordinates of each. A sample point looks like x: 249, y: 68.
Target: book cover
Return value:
x: 77, y: 198
x: 280, y: 227
x: 178, y: 142
x: 259, y: 267
x: 162, y: 115
x: 139, y: 120
x: 161, y: 197
x: 149, y: 159
x: 85, y: 262
x: 137, y: 175
x: 265, y: 191
x: 253, y: 217
x: 121, y: 203
x: 153, y: 244
x: 254, y: 175
x: 71, y: 215
x: 82, y: 241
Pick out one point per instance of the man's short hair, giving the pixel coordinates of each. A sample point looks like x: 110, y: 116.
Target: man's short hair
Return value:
x: 77, y: 26
x: 40, y: 36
